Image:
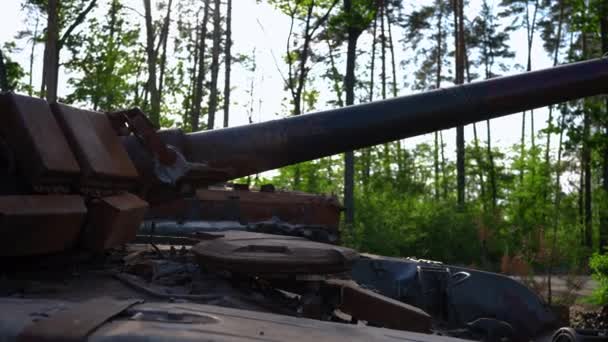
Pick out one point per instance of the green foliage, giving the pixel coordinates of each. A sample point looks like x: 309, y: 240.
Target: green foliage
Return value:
x: 107, y: 62
x: 14, y: 71
x: 599, y: 267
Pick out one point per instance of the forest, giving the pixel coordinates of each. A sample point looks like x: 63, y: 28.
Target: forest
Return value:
x: 539, y: 206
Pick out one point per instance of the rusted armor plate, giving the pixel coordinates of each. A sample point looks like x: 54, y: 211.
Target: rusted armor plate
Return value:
x: 375, y: 308
x: 256, y: 206
x: 113, y: 221
x: 98, y: 148
x: 255, y: 253
x: 40, y: 148
x: 76, y: 323
x: 39, y: 224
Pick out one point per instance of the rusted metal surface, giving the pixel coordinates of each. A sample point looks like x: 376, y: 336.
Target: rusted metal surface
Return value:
x: 39, y: 224
x: 76, y: 323
x: 38, y: 144
x: 255, y: 206
x: 374, y: 308
x: 255, y: 253
x: 113, y: 221
x: 182, y: 322
x: 136, y: 122
x: 315, y: 217
x: 269, y: 145
x: 103, y: 159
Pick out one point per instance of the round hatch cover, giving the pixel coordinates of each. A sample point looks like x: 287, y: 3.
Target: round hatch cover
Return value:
x: 256, y: 253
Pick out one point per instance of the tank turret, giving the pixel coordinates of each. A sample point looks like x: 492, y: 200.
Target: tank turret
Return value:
x: 74, y: 178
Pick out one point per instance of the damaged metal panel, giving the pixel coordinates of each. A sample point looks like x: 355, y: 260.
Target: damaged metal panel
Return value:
x: 102, y: 157
x: 41, y: 150
x: 379, y: 310
x: 113, y: 221
x: 40, y: 224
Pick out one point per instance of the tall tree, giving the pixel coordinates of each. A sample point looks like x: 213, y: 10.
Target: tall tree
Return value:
x: 604, y: 152
x: 355, y: 18
x: 164, y: 38
x: 386, y: 162
x: 200, y: 74
x: 50, y: 69
x: 459, y: 38
x: 60, y: 15
x: 525, y: 14
x: 491, y: 42
x: 215, y: 64
x: 367, y: 152
x: 152, y: 63
x: 228, y: 62
x: 430, y: 22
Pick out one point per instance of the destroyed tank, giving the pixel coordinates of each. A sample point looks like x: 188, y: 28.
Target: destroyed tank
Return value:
x: 83, y: 260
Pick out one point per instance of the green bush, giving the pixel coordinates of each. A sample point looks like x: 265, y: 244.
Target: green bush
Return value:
x: 599, y: 267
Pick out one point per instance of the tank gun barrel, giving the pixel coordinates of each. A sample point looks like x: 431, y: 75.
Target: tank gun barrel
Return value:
x: 254, y: 148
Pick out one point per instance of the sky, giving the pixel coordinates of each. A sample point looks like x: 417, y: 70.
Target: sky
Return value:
x: 261, y: 28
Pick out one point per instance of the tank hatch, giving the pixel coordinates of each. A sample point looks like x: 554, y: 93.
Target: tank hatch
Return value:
x: 255, y: 253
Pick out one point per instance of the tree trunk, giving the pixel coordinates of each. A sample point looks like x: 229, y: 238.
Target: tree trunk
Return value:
x: 459, y: 38
x: 477, y: 150
x: 335, y: 75
x: 301, y: 79
x: 604, y: 153
x: 51, y: 53
x: 436, y: 165
x: 228, y: 62
x: 444, y: 171
x: 395, y: 89
x: 163, y: 57
x: 189, y: 100
x: 479, y: 165
x: 531, y: 30
x: 349, y: 87
x: 439, y: 64
x: 367, y: 152
x: 587, y: 172
x: 386, y: 164
x: 33, y: 50
x: 151, y: 54
x: 215, y: 64
x: 558, y: 40
x: 556, y: 213
x: 198, y: 88
x: 586, y: 161
x: 493, y: 185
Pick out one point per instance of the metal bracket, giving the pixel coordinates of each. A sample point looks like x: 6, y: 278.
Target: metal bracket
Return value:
x: 135, y: 121
x: 169, y: 164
